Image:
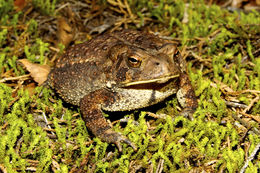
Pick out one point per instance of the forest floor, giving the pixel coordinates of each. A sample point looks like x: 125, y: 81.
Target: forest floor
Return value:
x: 39, y: 132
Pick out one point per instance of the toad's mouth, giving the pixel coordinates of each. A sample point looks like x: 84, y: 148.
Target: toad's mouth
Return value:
x: 156, y: 80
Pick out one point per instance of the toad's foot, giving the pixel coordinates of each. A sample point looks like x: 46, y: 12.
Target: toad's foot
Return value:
x: 111, y: 136
x: 90, y: 107
x: 188, y: 113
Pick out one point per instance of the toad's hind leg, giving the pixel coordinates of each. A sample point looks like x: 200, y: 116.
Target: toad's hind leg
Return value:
x: 186, y: 96
x: 90, y: 106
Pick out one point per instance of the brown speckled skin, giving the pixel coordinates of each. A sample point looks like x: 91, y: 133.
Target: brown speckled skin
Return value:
x: 95, y: 76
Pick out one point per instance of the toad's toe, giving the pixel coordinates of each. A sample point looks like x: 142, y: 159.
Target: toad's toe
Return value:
x: 116, y: 138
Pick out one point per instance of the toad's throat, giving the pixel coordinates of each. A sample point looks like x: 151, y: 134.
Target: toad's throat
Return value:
x: 156, y: 80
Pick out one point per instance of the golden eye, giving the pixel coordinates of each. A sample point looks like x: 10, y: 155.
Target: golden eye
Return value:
x: 134, y: 61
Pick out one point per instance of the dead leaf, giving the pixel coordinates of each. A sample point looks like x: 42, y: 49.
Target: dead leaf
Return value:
x: 20, y: 4
x: 65, y: 32
x: 38, y: 72
x: 30, y: 88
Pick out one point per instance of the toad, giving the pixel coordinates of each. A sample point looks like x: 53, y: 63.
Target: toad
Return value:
x: 121, y: 71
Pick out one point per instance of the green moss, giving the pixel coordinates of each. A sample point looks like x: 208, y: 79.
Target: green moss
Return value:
x: 5, y: 7
x: 252, y: 168
x: 36, y: 53
x: 226, y: 39
x: 3, y: 34
x: 46, y: 7
x: 5, y: 99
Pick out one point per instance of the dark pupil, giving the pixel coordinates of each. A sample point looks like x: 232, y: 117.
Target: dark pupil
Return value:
x: 132, y: 60
x: 176, y: 53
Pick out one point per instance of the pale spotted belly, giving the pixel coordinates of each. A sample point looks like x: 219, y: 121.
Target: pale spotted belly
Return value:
x: 132, y: 98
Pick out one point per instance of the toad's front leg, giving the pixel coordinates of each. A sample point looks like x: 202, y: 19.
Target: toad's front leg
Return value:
x: 90, y: 106
x: 186, y: 96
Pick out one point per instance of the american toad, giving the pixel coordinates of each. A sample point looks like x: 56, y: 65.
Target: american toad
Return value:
x: 121, y: 71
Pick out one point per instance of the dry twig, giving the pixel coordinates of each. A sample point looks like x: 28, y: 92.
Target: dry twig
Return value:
x: 250, y: 158
x: 24, y: 77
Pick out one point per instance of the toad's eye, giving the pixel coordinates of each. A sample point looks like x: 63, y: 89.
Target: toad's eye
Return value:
x: 134, y: 61
x: 177, y: 53
x: 177, y: 56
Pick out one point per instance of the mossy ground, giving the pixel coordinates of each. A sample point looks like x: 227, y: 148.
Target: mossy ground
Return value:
x: 39, y: 132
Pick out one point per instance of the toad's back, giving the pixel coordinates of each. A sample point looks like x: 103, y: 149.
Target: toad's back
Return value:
x: 87, y: 66
x: 97, y: 49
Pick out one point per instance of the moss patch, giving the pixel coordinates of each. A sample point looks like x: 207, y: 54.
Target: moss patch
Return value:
x: 39, y: 132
